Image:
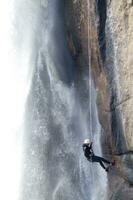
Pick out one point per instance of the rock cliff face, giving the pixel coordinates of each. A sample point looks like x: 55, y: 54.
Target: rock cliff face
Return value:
x: 107, y: 26
x: 118, y: 67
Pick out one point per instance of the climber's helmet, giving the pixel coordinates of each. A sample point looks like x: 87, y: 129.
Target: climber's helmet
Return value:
x: 87, y: 141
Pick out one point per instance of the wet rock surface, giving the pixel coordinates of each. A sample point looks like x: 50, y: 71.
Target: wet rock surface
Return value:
x: 118, y: 65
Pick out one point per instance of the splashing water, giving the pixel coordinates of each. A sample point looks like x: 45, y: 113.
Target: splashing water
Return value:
x: 42, y: 148
x: 15, y: 80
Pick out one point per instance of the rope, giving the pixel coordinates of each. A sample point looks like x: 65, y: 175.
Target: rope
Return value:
x: 90, y: 88
x: 90, y: 80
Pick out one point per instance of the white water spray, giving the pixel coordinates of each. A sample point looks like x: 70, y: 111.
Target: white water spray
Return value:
x: 55, y: 165
x: 15, y: 52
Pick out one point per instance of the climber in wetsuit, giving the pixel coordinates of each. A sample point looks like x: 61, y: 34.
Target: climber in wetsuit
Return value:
x: 89, y: 154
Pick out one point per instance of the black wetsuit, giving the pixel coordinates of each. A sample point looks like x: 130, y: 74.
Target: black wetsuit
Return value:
x: 89, y: 154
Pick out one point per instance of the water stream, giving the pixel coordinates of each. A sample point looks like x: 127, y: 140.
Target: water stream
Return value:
x: 56, y: 119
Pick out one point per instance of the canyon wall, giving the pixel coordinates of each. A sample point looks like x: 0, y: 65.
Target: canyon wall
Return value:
x: 106, y: 27
x: 118, y: 66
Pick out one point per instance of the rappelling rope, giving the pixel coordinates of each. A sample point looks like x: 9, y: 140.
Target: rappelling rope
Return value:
x: 90, y: 80
x: 90, y: 86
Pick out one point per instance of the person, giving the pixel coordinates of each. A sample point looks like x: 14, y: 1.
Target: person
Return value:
x: 89, y: 154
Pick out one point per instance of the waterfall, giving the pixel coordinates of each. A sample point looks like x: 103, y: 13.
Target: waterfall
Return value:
x: 45, y: 112
x: 15, y: 79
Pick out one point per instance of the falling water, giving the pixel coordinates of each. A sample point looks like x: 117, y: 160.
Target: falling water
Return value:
x: 15, y: 67
x: 57, y: 113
